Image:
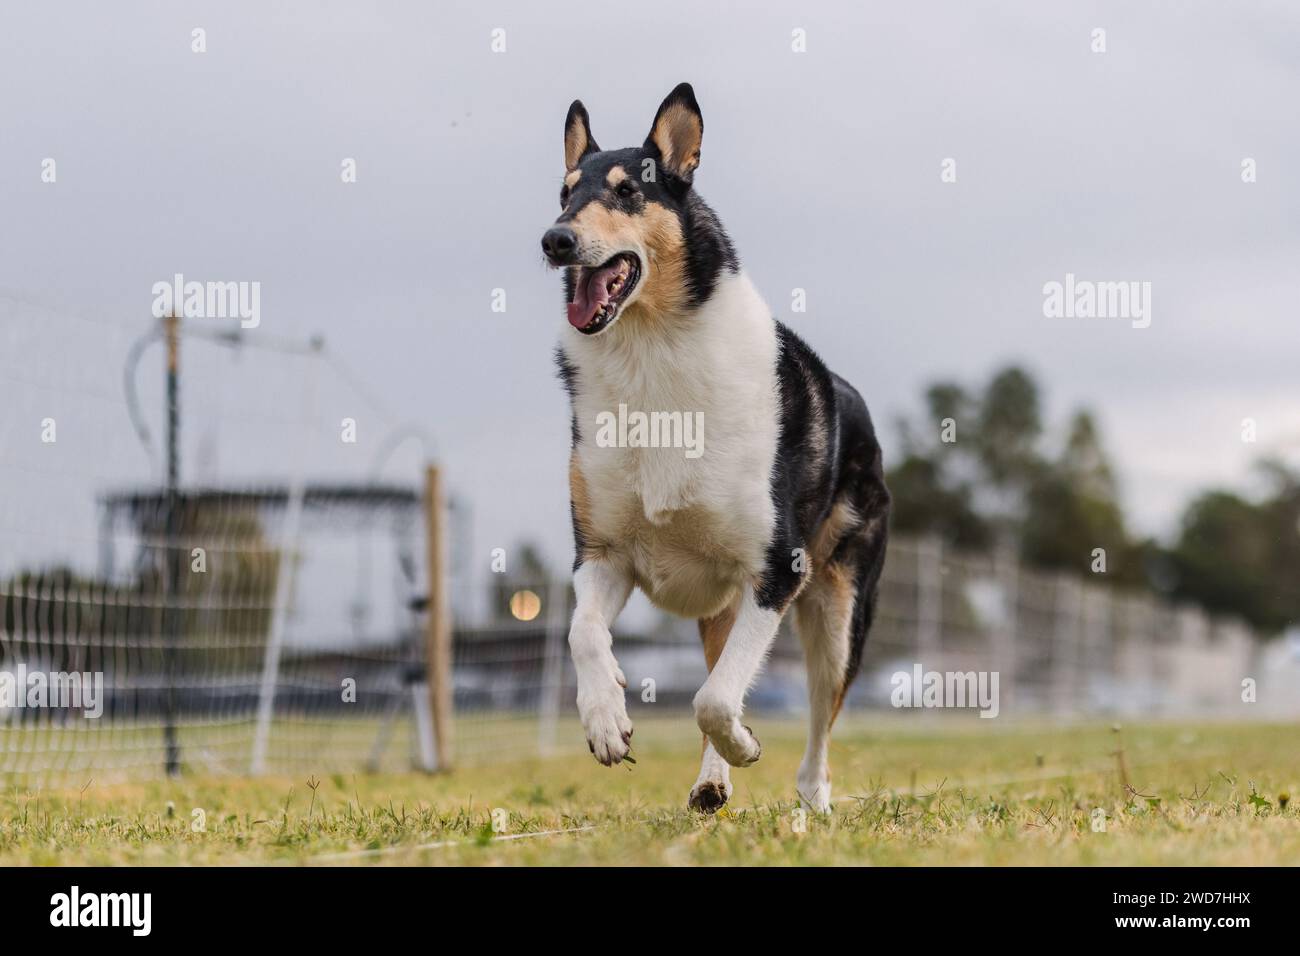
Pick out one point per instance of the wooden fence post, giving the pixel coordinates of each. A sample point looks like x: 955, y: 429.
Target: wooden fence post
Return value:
x: 438, y: 628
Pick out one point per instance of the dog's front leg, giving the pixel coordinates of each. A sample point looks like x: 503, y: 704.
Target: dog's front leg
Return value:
x: 601, y: 589
x: 719, y: 703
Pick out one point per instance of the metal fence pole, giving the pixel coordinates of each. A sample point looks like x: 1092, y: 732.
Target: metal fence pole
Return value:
x: 171, y: 555
x: 284, y: 585
x: 557, y: 600
x: 1007, y: 572
x: 1099, y: 639
x: 438, y: 651
x: 929, y: 599
x: 1066, y: 609
x: 279, y: 622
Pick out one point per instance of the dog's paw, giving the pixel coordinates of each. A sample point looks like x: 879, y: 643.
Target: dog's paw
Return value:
x: 708, y: 796
x: 815, y: 795
x: 604, y: 718
x: 737, y: 745
x: 733, y: 741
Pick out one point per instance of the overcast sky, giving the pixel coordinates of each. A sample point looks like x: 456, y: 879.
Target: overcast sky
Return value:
x: 824, y: 165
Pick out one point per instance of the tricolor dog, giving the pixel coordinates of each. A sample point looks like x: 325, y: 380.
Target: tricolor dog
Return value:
x: 783, y: 508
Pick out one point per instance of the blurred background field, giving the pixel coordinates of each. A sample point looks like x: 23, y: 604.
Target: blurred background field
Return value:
x: 261, y: 595
x: 942, y: 792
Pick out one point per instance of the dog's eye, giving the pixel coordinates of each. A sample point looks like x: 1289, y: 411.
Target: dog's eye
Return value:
x: 625, y: 189
x: 564, y: 195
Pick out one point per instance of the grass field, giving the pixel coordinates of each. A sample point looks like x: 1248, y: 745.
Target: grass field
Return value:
x: 944, y: 793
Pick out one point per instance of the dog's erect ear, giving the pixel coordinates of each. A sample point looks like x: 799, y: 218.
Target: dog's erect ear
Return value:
x: 577, y: 136
x: 677, y: 132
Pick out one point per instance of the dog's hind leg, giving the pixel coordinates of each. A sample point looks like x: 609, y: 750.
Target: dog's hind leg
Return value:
x: 824, y: 622
x: 713, y: 786
x: 833, y: 616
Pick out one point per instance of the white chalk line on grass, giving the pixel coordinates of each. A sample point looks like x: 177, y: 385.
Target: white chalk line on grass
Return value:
x: 442, y: 844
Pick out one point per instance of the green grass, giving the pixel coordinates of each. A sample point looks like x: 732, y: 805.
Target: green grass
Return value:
x: 943, y: 792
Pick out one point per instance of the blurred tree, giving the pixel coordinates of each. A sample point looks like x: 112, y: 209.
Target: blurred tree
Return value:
x: 1240, y: 557
x: 967, y: 463
x: 973, y: 472
x: 1073, y: 510
x: 924, y: 503
x: 1084, y: 460
x: 1007, y: 431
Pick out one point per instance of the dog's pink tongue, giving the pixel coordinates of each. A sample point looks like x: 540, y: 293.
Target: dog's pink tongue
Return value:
x: 589, y: 296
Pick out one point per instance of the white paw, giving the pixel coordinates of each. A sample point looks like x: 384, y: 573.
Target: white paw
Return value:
x: 815, y: 794
x: 733, y: 741
x: 604, y: 718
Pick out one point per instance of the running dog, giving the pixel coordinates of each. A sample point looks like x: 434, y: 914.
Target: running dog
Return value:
x: 782, y: 506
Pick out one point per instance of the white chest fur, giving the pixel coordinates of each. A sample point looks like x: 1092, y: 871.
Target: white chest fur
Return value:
x: 694, y: 522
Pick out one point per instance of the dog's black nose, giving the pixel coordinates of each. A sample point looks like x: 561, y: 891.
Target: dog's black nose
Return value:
x: 559, y: 244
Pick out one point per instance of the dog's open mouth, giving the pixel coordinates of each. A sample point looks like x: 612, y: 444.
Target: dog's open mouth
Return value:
x: 599, y: 292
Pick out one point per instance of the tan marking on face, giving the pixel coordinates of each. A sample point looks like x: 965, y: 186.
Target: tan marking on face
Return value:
x: 663, y: 287
x: 572, y: 178
x: 657, y: 232
x: 606, y: 230
x: 678, y: 133
x: 615, y: 175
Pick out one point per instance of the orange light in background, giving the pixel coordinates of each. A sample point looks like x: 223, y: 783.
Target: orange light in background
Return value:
x: 525, y: 605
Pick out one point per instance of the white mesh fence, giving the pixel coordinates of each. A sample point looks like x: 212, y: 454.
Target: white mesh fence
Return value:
x: 1062, y: 646
x: 263, y: 614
